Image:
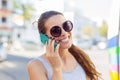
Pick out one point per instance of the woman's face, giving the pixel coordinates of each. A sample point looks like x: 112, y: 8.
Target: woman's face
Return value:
x: 66, y: 37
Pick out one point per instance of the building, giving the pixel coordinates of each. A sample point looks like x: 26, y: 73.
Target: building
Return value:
x: 5, y: 19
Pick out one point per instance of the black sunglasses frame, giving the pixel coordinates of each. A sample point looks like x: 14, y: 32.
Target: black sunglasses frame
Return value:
x: 56, y: 30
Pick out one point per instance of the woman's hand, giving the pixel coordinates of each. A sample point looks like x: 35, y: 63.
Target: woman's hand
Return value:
x: 53, y: 55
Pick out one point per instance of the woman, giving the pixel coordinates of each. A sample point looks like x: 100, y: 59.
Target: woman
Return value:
x: 64, y: 61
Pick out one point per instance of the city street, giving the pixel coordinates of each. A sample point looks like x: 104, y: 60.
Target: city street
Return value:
x: 91, y: 25
x: 15, y: 67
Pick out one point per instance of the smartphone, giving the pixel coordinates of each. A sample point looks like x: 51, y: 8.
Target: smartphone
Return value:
x: 45, y: 39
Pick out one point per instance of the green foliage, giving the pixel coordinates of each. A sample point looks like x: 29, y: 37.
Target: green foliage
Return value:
x: 88, y: 30
x: 16, y: 4
x: 26, y: 8
x: 103, y: 29
x: 27, y: 11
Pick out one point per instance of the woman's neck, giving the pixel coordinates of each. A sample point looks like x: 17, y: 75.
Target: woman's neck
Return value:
x: 64, y: 54
x: 68, y: 61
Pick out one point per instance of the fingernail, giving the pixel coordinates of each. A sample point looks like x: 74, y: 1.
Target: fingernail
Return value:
x: 50, y: 37
x: 59, y: 41
x: 53, y: 38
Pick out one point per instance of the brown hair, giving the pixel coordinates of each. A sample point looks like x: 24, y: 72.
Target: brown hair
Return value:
x: 82, y: 58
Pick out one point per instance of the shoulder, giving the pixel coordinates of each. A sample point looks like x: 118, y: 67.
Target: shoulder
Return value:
x: 35, y: 68
x: 35, y: 64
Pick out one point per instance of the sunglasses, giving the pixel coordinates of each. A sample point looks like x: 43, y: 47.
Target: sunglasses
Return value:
x: 56, y: 30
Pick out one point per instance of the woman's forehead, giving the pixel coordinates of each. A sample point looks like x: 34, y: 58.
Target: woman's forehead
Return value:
x: 55, y: 20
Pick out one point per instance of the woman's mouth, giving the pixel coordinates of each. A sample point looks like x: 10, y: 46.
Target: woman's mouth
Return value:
x: 64, y: 41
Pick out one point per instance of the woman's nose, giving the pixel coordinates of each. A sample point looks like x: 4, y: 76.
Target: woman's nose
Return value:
x: 63, y: 33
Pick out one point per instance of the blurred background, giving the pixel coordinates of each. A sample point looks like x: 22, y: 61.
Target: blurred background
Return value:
x: 19, y: 37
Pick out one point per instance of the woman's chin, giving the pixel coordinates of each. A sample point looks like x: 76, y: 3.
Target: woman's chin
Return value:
x: 65, y: 46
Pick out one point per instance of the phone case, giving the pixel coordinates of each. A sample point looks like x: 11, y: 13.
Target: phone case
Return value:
x: 45, y: 39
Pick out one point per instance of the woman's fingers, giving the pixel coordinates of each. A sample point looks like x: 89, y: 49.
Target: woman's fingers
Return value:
x: 49, y: 41
x: 52, y: 44
x: 53, y: 55
x: 57, y: 49
x: 50, y: 47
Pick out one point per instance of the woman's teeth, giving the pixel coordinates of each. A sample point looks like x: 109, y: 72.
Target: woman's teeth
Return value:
x: 64, y: 40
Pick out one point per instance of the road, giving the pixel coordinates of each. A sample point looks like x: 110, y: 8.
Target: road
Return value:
x: 15, y: 67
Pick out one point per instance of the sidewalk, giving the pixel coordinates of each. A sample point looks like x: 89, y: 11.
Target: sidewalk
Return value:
x: 21, y: 53
x: 99, y: 57
x: 26, y: 53
x: 4, y: 76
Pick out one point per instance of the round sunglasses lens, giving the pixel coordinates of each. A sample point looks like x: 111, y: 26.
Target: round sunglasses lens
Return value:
x: 55, y: 31
x: 67, y: 26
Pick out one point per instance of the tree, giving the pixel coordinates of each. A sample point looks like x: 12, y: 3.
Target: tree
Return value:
x: 26, y: 9
x: 88, y: 30
x: 103, y: 29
